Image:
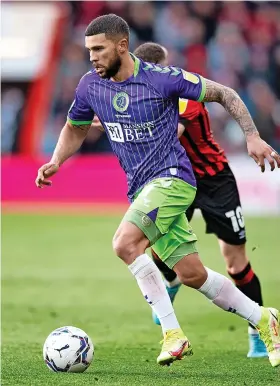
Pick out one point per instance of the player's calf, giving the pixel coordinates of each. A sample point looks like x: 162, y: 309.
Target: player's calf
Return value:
x: 191, y: 271
x: 234, y: 255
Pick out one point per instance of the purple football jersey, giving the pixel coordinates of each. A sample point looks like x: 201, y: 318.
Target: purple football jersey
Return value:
x: 140, y: 117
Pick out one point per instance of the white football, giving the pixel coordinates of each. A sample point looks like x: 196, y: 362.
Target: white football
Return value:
x: 68, y: 349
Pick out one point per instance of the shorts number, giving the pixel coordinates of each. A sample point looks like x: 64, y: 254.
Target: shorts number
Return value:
x: 237, y: 219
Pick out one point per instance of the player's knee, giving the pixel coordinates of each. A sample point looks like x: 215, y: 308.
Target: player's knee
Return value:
x: 235, y: 257
x: 123, y: 246
x: 127, y: 247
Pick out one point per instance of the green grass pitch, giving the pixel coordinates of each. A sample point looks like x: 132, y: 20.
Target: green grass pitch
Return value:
x: 60, y: 270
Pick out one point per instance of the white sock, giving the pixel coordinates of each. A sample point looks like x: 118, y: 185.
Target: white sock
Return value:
x: 152, y: 287
x: 252, y: 331
x: 172, y: 283
x: 221, y: 291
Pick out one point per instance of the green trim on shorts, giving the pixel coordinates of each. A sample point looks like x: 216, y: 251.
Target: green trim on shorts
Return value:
x: 143, y: 222
x: 183, y: 250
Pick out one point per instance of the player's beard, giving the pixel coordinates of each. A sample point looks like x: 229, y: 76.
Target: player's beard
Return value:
x: 113, y: 68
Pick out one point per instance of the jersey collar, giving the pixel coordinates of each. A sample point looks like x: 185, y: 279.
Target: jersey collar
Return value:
x: 136, y: 65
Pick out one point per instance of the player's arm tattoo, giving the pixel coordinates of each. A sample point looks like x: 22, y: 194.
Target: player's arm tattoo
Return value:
x: 232, y: 103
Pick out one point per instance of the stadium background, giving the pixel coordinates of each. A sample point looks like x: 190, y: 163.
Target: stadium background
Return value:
x: 63, y: 234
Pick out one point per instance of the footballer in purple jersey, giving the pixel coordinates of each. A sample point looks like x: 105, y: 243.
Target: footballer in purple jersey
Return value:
x: 140, y: 117
x: 136, y: 103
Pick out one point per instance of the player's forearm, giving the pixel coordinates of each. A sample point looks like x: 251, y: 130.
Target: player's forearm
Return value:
x: 69, y: 142
x: 233, y: 104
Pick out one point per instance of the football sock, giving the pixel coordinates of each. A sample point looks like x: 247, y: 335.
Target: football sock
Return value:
x: 152, y: 287
x: 252, y: 330
x: 172, y: 283
x: 168, y: 273
x: 248, y: 283
x: 221, y: 291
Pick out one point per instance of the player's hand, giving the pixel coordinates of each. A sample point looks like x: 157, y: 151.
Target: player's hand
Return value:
x: 44, y: 173
x: 259, y: 150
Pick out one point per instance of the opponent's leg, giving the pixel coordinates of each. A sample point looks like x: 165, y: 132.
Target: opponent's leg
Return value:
x: 168, y: 274
x: 239, y: 269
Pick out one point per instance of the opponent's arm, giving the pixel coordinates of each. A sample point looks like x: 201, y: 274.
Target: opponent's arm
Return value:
x: 230, y: 100
x: 96, y: 124
x: 182, y: 125
x: 69, y: 142
x: 181, y: 129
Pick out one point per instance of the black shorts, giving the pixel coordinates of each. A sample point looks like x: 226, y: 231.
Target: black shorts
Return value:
x: 218, y: 199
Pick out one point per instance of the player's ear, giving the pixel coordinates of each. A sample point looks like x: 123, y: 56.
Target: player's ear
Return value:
x: 123, y: 46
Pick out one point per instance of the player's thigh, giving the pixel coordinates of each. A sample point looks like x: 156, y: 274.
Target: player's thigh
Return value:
x: 180, y: 241
x: 222, y: 211
x: 158, y: 205
x: 129, y: 235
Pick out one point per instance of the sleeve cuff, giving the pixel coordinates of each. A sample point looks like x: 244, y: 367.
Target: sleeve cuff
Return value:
x: 78, y: 122
x: 203, y: 89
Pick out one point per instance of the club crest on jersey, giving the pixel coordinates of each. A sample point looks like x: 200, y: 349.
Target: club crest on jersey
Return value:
x: 121, y: 101
x: 190, y: 77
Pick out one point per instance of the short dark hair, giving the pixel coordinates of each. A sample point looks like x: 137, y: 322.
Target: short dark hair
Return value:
x: 150, y: 52
x: 111, y: 25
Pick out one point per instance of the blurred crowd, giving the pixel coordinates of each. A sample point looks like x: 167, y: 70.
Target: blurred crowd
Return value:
x: 234, y: 43
x: 12, y: 102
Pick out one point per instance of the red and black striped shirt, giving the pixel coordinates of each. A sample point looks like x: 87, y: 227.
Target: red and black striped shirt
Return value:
x: 205, y: 154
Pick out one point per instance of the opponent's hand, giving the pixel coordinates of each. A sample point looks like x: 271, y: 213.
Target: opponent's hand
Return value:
x: 259, y: 150
x: 181, y: 129
x: 44, y: 173
x: 96, y: 124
